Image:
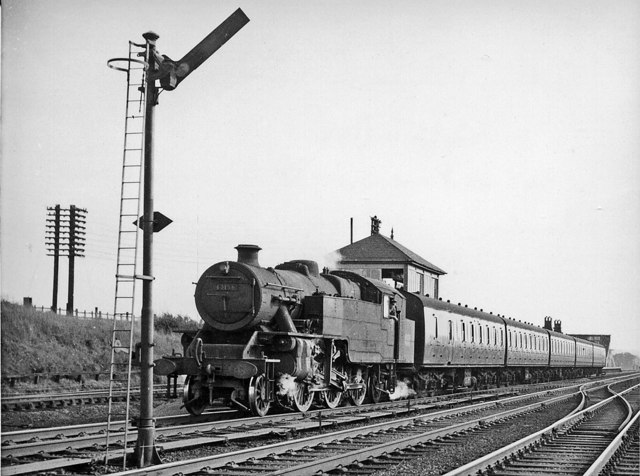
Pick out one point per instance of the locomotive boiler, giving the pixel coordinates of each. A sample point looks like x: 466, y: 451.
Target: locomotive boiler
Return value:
x: 289, y: 334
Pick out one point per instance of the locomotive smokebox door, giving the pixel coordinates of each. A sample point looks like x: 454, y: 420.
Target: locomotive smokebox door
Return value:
x: 226, y: 297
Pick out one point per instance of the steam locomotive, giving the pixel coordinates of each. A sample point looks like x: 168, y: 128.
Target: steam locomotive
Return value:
x: 290, y: 335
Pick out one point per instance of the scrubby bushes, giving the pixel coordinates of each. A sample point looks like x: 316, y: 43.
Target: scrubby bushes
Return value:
x: 44, y: 342
x: 169, y: 323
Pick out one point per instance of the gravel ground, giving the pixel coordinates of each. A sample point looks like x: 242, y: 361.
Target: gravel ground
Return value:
x: 448, y: 457
x: 71, y: 415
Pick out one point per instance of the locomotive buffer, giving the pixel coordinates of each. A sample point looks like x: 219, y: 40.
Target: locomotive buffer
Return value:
x: 170, y: 74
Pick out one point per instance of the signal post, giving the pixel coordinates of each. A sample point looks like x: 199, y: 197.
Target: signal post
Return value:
x: 169, y: 73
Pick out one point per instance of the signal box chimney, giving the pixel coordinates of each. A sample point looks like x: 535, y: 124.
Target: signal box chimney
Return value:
x: 375, y: 225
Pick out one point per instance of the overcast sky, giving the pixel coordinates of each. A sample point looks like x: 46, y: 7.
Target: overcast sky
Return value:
x: 499, y: 139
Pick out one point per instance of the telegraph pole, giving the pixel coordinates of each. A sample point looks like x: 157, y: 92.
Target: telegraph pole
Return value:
x: 65, y: 238
x: 54, y: 241
x: 76, y: 248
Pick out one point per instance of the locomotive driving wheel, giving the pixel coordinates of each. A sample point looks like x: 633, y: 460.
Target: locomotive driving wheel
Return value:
x: 303, y: 398
x: 258, y: 395
x: 194, y: 396
x: 332, y: 397
x: 375, y: 390
x: 357, y: 396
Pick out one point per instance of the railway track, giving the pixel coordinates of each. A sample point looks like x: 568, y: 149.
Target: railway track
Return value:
x: 580, y: 444
x: 362, y: 449
x: 39, y: 401
x: 35, y: 450
x: 23, y: 457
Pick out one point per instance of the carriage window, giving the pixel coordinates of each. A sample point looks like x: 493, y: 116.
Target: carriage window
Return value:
x: 501, y: 337
x: 450, y: 330
x: 473, y: 334
x: 510, y: 341
x: 435, y: 318
x: 464, y: 334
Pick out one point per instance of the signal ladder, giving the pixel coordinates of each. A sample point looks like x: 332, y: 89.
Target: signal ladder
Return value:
x: 127, y: 259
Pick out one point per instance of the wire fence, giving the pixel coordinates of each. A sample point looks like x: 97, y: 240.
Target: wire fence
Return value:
x: 95, y: 314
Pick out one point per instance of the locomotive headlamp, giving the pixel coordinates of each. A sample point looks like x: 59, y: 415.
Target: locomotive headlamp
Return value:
x: 224, y: 267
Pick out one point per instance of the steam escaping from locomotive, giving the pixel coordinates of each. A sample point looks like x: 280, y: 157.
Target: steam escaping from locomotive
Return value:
x: 402, y: 390
x: 287, y: 386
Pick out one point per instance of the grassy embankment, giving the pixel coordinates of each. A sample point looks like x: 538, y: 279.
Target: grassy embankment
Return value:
x: 36, y: 342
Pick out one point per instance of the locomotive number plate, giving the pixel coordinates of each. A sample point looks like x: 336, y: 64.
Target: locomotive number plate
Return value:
x: 226, y: 287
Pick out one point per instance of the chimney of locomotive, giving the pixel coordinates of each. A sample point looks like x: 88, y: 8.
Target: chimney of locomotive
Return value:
x: 248, y: 254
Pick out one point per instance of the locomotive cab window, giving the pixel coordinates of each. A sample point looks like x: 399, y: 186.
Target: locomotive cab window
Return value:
x: 389, y: 309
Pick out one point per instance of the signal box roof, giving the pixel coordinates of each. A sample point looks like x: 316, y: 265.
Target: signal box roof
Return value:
x: 378, y: 248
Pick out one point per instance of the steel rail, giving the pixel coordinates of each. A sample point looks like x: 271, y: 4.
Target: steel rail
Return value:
x: 246, y: 428
x: 489, y: 461
x: 23, y: 436
x: 296, y: 422
x: 331, y: 462
x: 606, y: 459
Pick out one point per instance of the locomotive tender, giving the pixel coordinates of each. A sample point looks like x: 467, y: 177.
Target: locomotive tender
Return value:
x: 290, y: 335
